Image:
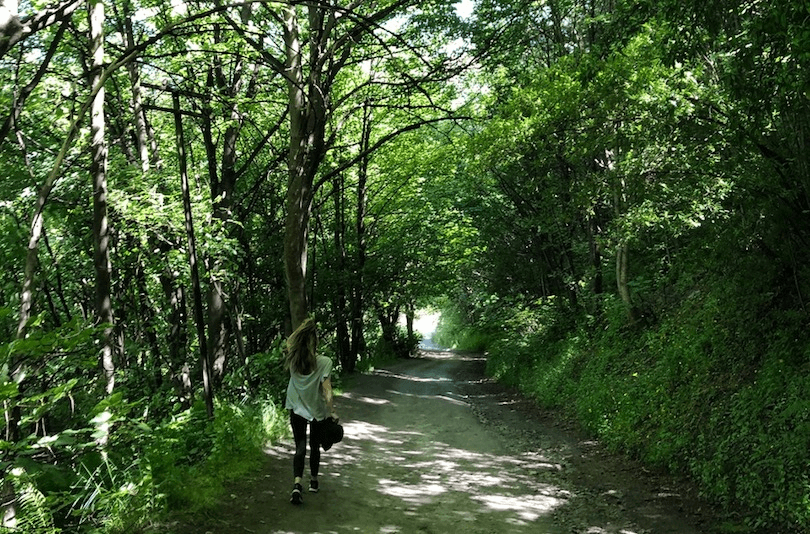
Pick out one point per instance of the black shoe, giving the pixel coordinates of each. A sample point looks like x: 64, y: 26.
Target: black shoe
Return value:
x: 313, y: 486
x: 296, y: 497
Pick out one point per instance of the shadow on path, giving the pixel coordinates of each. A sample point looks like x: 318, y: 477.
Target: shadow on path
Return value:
x: 431, y: 446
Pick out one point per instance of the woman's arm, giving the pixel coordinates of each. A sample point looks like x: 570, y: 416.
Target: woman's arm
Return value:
x: 326, y: 387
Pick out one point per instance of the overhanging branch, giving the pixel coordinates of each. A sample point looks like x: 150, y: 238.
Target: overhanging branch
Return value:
x: 380, y: 143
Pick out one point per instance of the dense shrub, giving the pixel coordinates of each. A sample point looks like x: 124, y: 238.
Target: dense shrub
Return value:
x: 715, y: 388
x: 143, y: 471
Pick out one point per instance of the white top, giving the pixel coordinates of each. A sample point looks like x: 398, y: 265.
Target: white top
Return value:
x: 304, y: 391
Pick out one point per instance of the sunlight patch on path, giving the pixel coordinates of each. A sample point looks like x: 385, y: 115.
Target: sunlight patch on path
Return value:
x: 528, y: 508
x: 368, y: 400
x: 410, y: 378
x: 412, y: 493
x: 414, y: 454
x: 423, y: 473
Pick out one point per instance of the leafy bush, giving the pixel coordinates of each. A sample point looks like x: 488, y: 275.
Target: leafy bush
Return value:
x: 468, y: 330
x: 262, y: 375
x: 192, y: 456
x: 708, y: 390
x: 142, y: 471
x: 383, y: 350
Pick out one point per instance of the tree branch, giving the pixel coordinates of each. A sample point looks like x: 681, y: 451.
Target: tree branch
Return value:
x: 13, y: 30
x: 19, y: 102
x: 381, y: 142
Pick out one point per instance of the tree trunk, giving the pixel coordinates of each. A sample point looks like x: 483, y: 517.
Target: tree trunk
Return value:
x: 141, y: 130
x: 178, y: 336
x: 236, y: 313
x: 37, y: 218
x: 101, y: 230
x: 595, y: 254
x: 307, y: 101
x: 60, y: 287
x: 199, y: 317
x: 410, y: 315
x: 17, y: 365
x: 388, y: 315
x: 622, y: 254
x: 222, y: 190
x: 358, y: 344
x: 147, y: 320
x: 345, y: 357
x: 299, y: 187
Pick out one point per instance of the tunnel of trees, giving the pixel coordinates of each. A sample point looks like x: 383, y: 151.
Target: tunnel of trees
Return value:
x: 609, y: 197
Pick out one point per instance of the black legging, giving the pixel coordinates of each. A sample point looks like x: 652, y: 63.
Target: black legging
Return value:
x: 299, y: 428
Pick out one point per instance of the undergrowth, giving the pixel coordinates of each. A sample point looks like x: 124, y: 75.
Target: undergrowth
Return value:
x: 122, y: 471
x: 715, y: 388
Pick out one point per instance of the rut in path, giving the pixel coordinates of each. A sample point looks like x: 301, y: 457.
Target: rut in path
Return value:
x: 433, y: 447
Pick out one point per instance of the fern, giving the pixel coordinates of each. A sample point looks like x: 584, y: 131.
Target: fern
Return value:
x: 32, y: 512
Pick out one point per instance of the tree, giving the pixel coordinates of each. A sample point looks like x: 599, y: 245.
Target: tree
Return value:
x: 101, y: 229
x: 312, y: 67
x: 246, y: 131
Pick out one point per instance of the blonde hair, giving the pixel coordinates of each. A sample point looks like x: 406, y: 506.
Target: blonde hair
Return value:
x: 301, y: 346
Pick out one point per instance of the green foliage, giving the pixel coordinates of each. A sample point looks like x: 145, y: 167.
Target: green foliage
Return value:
x: 193, y: 457
x: 383, y: 349
x: 36, y: 515
x: 378, y: 355
x: 182, y: 463
x: 669, y: 133
x: 116, y: 470
x: 674, y: 131
x: 698, y: 393
x: 457, y: 331
x: 262, y: 375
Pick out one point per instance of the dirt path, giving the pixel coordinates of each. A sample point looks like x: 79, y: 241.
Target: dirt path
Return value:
x: 433, y: 447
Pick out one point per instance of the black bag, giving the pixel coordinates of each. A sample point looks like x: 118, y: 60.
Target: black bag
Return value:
x: 330, y: 432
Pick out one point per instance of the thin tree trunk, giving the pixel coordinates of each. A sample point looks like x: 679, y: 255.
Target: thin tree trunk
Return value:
x: 595, y: 254
x: 410, y: 315
x: 141, y: 131
x: 199, y: 316
x: 148, y: 313
x: 341, y: 328
x: 357, y: 307
x: 622, y: 262
x: 622, y: 256
x: 236, y: 313
x: 178, y: 335
x: 101, y: 230
x: 219, y: 327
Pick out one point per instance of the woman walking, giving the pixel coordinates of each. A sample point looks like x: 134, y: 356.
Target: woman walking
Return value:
x: 309, y: 399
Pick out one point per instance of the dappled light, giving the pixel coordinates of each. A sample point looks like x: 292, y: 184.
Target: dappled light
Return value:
x: 369, y: 400
x: 434, y: 455
x: 525, y: 510
x: 429, y: 447
x: 374, y: 433
x: 414, y: 493
x: 383, y: 372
